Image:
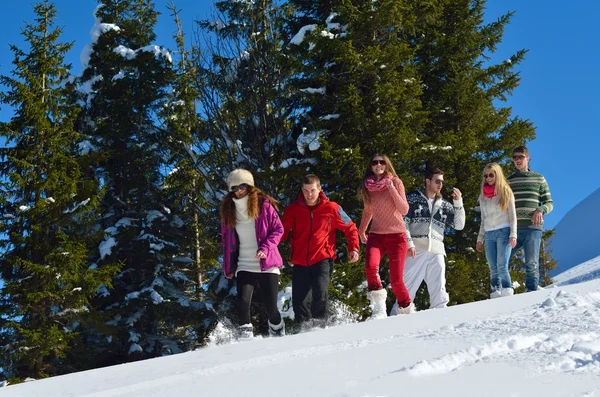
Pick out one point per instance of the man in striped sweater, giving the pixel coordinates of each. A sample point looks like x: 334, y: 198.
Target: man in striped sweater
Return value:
x: 532, y: 201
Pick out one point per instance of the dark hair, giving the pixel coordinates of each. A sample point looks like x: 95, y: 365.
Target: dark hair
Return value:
x: 430, y: 172
x: 362, y: 192
x: 521, y: 149
x: 310, y: 179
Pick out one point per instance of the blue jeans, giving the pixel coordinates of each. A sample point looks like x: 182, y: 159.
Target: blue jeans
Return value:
x: 530, y: 239
x: 497, y: 252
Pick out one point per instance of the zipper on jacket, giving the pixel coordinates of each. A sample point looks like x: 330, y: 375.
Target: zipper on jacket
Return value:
x: 308, y: 242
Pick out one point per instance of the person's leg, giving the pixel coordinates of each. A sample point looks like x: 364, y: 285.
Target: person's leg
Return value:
x: 373, y: 254
x: 245, y: 287
x: 301, y: 285
x: 414, y: 272
x: 532, y: 238
x: 491, y: 255
x: 320, y: 284
x: 396, y: 247
x: 268, y: 283
x: 503, y: 253
x: 435, y: 278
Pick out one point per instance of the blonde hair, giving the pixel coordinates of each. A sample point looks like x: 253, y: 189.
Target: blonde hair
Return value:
x: 503, y: 190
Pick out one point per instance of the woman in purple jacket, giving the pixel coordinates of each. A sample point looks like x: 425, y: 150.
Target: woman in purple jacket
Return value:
x: 251, y: 230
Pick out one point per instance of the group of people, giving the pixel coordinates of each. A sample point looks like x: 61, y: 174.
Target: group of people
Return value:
x: 408, y: 227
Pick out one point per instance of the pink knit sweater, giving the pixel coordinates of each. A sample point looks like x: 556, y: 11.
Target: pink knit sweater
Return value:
x: 386, y: 211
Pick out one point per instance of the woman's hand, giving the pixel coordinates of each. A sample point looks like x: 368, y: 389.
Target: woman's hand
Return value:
x: 479, y: 246
x: 363, y: 238
x: 389, y: 183
x: 512, y: 242
x: 260, y: 254
x: 229, y: 275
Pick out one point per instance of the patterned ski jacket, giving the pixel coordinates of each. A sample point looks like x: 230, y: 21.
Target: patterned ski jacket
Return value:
x: 425, y: 223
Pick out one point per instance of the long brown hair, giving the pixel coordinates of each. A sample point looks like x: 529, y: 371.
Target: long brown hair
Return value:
x: 363, y: 192
x: 255, y: 198
x: 503, y: 189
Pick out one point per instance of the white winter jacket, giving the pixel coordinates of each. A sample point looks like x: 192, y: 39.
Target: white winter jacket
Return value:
x: 493, y: 218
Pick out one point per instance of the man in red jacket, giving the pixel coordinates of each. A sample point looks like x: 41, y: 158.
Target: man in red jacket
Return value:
x: 312, y: 221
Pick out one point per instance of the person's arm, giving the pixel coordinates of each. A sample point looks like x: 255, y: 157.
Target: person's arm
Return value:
x: 343, y: 222
x: 367, y: 215
x: 407, y: 220
x: 481, y: 234
x: 398, y: 194
x: 459, y: 212
x: 275, y: 230
x: 512, y: 216
x: 546, y: 203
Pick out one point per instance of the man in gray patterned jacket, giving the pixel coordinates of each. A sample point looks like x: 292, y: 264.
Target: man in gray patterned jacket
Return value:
x: 427, y: 218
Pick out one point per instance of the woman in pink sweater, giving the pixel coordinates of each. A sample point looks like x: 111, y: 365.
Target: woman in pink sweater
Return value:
x: 384, y: 207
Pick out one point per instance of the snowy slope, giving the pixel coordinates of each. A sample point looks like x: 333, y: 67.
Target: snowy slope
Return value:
x: 577, y: 234
x: 586, y: 271
x: 545, y: 343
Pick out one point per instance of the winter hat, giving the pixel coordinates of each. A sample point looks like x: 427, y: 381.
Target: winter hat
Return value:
x: 239, y: 176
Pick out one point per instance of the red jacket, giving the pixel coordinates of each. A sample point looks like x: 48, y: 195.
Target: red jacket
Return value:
x: 313, y: 230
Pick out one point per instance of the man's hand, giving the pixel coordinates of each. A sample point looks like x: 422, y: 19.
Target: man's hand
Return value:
x: 260, y: 254
x: 363, y: 238
x: 479, y: 246
x: 537, y: 218
x: 456, y: 194
x: 412, y: 252
x: 354, y: 256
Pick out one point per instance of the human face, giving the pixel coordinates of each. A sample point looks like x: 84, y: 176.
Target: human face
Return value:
x: 490, y: 177
x: 435, y: 184
x: 240, y: 190
x: 521, y: 161
x: 311, y: 193
x: 378, y: 166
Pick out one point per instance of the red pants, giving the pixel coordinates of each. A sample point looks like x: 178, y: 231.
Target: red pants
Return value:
x: 396, y: 246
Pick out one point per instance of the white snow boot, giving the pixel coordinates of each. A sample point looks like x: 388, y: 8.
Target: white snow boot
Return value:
x: 246, y: 331
x: 277, y: 330
x: 495, y: 294
x: 507, y: 292
x: 407, y: 310
x: 377, y: 305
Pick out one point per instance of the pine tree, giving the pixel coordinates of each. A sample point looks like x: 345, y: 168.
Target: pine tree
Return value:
x: 247, y: 113
x: 47, y: 205
x: 125, y: 88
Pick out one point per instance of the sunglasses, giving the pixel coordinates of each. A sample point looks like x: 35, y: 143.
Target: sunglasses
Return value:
x: 242, y: 186
x: 518, y: 157
x: 439, y: 181
x: 486, y: 176
x: 378, y: 162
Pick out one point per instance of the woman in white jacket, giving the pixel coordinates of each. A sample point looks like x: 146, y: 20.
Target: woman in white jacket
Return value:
x: 498, y: 228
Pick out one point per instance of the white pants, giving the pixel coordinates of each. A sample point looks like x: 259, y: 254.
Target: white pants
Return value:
x: 431, y: 268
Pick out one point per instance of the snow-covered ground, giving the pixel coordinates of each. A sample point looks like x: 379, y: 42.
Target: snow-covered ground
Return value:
x: 545, y: 343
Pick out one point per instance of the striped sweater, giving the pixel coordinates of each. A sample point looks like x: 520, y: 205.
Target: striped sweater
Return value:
x: 531, y: 193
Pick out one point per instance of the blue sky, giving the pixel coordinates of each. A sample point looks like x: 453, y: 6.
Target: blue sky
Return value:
x: 558, y: 92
